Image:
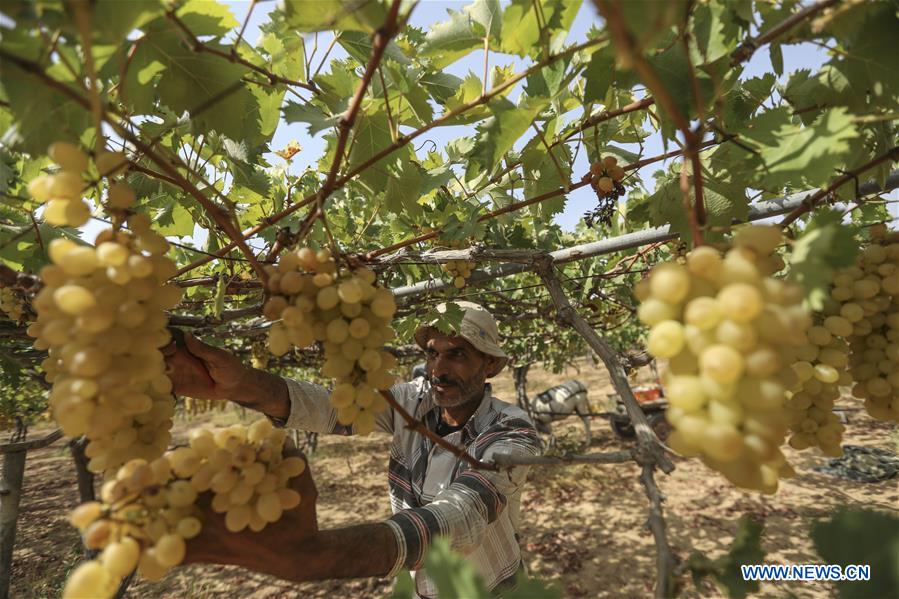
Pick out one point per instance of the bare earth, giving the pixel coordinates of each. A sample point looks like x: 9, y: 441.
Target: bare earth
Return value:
x: 583, y: 526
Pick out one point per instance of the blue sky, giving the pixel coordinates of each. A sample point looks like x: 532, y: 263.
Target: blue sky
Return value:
x: 429, y: 12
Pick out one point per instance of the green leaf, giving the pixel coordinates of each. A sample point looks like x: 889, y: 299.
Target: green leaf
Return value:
x: 715, y: 34
x: 522, y: 31
x: 464, y: 32
x: 724, y: 202
x: 796, y: 155
x: 286, y: 54
x: 221, y: 288
x: 41, y: 115
x: 372, y: 134
x: 174, y: 219
x: 403, y: 189
x: 208, y: 87
x: 825, y: 245
x: 324, y: 15
x: 314, y: 117
x: 744, y: 550
x: 498, y: 134
x: 113, y: 20
x: 599, y: 76
x: 441, y: 86
x: 207, y: 17
x: 359, y: 45
x: 673, y: 70
x: 870, y: 64
x: 861, y: 536
x: 544, y: 175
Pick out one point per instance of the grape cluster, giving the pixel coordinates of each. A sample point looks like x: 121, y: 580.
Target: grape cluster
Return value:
x: 101, y: 316
x: 12, y: 304
x: 730, y: 332
x: 312, y: 300
x: 866, y: 308
x: 821, y: 371
x: 459, y: 270
x: 62, y: 191
x: 148, y: 510
x: 606, y: 182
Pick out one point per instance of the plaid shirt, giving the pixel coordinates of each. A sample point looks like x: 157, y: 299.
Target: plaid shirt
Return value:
x: 434, y: 493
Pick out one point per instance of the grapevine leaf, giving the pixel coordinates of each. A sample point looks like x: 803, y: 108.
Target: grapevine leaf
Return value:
x: 174, y: 219
x: 497, y: 135
x: 726, y: 570
x: 673, y: 70
x: 544, y: 175
x: 286, y: 54
x: 372, y: 134
x: 715, y: 35
x: 206, y: 18
x: 112, y: 20
x: 406, y: 179
x: 825, y: 244
x: 724, y: 203
x: 221, y: 288
x: 868, y: 65
x: 41, y: 114
x: 441, y: 86
x: 324, y: 15
x: 523, y: 29
x: 795, y: 155
x: 314, y: 117
x: 358, y: 44
x: 599, y: 76
x: 861, y: 536
x: 208, y: 87
x: 462, y: 33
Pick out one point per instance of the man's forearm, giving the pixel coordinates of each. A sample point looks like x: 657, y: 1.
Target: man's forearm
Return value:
x: 355, y: 552
x: 264, y: 392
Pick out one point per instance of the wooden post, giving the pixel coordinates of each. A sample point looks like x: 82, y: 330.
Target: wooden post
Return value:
x: 10, y: 493
x: 84, y: 476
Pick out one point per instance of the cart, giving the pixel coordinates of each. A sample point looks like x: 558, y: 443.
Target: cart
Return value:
x: 652, y: 401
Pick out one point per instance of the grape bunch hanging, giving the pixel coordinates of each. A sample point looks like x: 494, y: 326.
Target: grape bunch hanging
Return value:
x: 314, y: 300
x: 730, y: 332
x: 606, y: 182
x: 148, y: 511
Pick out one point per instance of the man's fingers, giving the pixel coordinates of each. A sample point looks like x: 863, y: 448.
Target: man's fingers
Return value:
x: 207, y: 353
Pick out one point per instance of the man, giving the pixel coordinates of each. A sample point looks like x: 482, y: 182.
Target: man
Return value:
x: 432, y: 492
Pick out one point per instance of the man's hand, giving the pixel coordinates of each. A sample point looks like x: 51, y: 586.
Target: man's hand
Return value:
x: 293, y: 548
x: 202, y: 371
x: 269, y: 550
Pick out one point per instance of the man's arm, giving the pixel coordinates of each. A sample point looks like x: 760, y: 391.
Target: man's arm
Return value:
x: 206, y: 372
x: 475, y: 498
x: 293, y: 548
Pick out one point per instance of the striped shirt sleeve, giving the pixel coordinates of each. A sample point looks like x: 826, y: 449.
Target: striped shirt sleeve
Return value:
x: 311, y: 410
x: 463, y: 510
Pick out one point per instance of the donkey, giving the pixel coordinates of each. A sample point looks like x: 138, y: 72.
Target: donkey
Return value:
x: 561, y: 402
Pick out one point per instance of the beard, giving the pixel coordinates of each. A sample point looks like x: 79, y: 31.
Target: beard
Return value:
x: 470, y: 389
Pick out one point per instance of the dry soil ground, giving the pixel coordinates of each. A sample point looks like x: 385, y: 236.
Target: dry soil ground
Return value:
x: 583, y: 526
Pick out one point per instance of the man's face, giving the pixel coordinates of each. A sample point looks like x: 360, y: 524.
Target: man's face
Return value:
x: 457, y: 371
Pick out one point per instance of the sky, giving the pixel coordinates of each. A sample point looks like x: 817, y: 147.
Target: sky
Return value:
x: 429, y: 12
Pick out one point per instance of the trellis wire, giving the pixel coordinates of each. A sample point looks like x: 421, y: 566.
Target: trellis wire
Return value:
x: 757, y: 211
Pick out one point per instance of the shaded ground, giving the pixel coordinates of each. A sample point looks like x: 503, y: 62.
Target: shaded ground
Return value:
x: 582, y: 526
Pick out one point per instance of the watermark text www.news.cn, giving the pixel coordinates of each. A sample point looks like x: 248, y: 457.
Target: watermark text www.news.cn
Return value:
x: 806, y: 572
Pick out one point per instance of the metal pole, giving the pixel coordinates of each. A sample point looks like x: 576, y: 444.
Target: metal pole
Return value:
x: 757, y: 211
